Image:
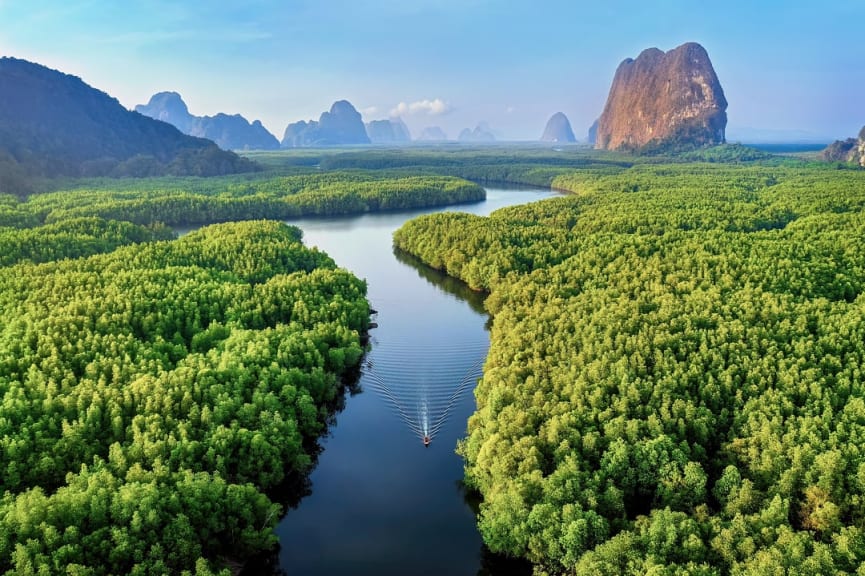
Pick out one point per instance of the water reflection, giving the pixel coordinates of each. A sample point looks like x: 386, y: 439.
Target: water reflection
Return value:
x: 439, y: 279
x: 296, y: 486
x: 381, y: 503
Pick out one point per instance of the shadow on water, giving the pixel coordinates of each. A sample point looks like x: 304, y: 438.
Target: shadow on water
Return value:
x: 376, y: 500
x: 297, y: 485
x: 492, y: 563
x: 440, y: 280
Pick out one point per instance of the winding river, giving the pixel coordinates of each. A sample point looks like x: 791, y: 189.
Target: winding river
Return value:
x: 381, y: 502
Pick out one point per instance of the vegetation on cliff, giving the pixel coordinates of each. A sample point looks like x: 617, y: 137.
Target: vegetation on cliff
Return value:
x: 664, y: 102
x: 850, y: 150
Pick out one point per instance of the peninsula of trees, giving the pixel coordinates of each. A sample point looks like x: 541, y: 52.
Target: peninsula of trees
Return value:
x: 674, y: 383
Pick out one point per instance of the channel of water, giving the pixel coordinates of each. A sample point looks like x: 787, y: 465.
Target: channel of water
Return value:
x: 382, y: 503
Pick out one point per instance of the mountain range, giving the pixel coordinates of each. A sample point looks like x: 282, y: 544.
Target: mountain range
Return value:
x: 480, y: 133
x: 342, y: 125
x: 53, y: 124
x: 230, y: 132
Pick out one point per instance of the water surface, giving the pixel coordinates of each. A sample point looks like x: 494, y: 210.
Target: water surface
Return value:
x: 381, y: 502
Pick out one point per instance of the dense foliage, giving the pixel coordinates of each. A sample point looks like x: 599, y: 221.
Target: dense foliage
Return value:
x: 73, y: 239
x: 675, y: 382
x: 530, y: 164
x: 726, y: 153
x: 151, y: 395
x: 202, y: 201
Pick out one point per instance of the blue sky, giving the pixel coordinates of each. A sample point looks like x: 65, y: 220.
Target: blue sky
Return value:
x: 787, y: 67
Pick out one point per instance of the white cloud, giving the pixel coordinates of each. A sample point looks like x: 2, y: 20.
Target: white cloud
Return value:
x: 369, y: 111
x: 436, y: 107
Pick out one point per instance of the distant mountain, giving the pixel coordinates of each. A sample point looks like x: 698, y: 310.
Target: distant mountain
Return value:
x: 229, y: 132
x: 480, y: 133
x: 388, y: 131
x: 433, y: 134
x: 168, y: 107
x: 593, y: 133
x: 664, y: 101
x: 342, y: 125
x: 298, y: 134
x: 849, y: 150
x: 53, y: 124
x: 558, y: 129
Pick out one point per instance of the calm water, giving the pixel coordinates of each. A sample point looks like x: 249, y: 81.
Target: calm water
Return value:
x: 381, y: 503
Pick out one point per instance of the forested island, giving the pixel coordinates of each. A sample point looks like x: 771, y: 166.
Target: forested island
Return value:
x: 176, y: 201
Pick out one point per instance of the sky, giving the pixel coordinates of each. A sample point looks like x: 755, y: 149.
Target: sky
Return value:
x: 790, y: 69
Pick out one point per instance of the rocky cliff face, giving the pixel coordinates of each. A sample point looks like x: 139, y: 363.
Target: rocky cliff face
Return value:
x: 861, y: 147
x: 299, y: 134
x: 669, y: 100
x: 849, y: 150
x: 388, y: 131
x: 342, y: 125
x: 230, y: 132
x: 558, y: 129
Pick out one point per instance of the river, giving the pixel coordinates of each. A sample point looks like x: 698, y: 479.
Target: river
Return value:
x: 382, y: 503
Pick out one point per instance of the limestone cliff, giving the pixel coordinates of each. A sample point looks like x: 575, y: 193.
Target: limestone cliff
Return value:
x: 661, y: 101
x: 388, y: 131
x: 342, y: 125
x: 849, y: 150
x: 593, y: 133
x: 230, y: 132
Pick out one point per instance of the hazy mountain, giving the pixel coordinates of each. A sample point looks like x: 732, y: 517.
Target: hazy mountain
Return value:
x: 54, y: 124
x: 558, y: 129
x: 341, y: 125
x: 593, y: 133
x: 480, y: 133
x: 388, y: 131
x: 432, y: 134
x: 298, y: 134
x: 230, y: 132
x: 168, y: 107
x: 664, y: 100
